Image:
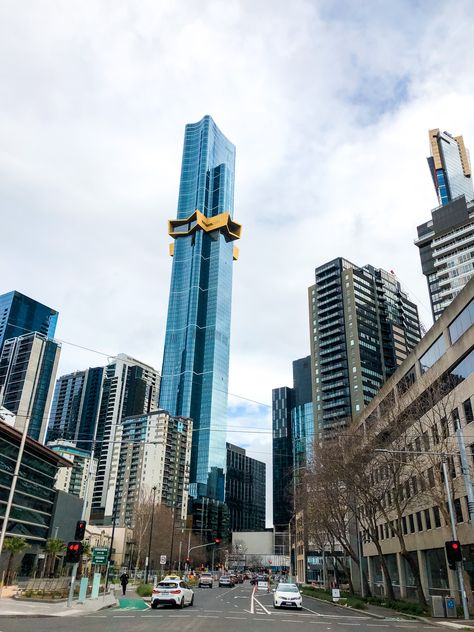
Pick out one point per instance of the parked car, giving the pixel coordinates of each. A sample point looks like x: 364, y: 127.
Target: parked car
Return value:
x: 173, y: 592
x: 287, y: 596
x: 205, y: 579
x: 225, y: 580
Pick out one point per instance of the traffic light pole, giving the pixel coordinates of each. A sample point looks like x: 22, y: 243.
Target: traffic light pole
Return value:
x: 465, y: 607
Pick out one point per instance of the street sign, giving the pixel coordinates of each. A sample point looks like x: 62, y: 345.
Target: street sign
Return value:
x: 100, y: 555
x: 336, y: 594
x: 162, y: 560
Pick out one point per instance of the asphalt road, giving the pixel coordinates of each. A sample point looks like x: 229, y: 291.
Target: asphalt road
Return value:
x: 218, y: 610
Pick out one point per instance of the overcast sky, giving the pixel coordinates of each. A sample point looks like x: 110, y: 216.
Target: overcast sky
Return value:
x: 329, y: 104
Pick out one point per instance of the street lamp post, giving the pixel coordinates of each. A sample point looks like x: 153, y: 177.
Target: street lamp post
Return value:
x: 151, y: 533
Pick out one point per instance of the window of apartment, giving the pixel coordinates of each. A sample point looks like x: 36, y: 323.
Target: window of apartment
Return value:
x: 414, y: 485
x: 411, y: 521
x: 435, y: 434
x: 433, y: 354
x: 427, y: 519
x: 468, y: 414
x: 458, y: 510
x: 462, y: 322
x: 436, y: 517
x: 418, y: 444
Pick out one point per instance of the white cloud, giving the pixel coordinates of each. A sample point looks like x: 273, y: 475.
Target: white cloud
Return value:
x: 328, y: 104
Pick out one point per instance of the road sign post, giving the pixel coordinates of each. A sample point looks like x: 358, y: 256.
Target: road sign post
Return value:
x: 100, y: 555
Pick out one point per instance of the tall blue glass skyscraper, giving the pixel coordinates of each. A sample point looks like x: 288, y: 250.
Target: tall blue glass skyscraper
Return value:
x: 196, y: 354
x: 20, y: 315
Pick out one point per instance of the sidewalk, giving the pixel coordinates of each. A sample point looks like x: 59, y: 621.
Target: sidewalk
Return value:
x: 10, y: 607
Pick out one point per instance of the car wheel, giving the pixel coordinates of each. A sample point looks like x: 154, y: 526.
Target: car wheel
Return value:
x: 275, y: 606
x: 154, y: 605
x: 181, y: 605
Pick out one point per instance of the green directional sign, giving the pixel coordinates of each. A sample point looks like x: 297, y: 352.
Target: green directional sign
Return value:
x: 100, y: 555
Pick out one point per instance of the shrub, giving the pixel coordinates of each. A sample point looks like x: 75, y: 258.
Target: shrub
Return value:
x: 144, y: 590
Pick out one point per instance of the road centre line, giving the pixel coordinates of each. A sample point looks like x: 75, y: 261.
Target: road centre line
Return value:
x: 261, y: 605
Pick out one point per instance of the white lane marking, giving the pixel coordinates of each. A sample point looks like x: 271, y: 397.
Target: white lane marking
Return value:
x: 243, y: 618
x: 179, y: 616
x: 261, y: 605
x: 207, y: 616
x: 340, y: 623
x: 224, y: 593
x: 292, y: 621
x: 123, y: 616
x: 313, y: 611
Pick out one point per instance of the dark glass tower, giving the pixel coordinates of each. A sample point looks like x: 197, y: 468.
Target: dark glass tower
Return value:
x: 20, y: 315
x: 245, y: 490
x: 196, y: 354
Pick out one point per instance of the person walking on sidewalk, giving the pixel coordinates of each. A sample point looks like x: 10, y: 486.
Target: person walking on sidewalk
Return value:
x: 124, y: 582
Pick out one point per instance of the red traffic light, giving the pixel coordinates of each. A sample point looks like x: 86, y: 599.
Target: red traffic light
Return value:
x: 80, y: 530
x: 453, y: 552
x: 73, y: 552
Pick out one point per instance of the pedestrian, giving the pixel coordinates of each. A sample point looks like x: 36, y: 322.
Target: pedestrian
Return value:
x: 124, y: 582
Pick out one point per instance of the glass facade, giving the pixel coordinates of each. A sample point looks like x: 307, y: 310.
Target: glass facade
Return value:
x: 75, y: 407
x: 34, y: 496
x: 245, y: 490
x: 282, y: 452
x: 27, y: 372
x: 20, y: 315
x: 433, y: 354
x: 462, y: 322
x: 449, y: 166
x: 196, y: 354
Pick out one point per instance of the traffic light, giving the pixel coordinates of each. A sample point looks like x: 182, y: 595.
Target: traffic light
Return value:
x: 453, y: 553
x: 217, y: 540
x: 80, y: 530
x: 73, y: 552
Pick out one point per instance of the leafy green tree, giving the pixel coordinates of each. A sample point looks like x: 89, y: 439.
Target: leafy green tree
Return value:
x: 53, y: 548
x: 15, y: 546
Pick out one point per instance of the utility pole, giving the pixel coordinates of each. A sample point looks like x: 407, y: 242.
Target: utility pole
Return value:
x: 462, y: 590
x: 151, y: 533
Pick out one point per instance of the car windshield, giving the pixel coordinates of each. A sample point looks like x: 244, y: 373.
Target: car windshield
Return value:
x: 288, y: 588
x: 168, y: 584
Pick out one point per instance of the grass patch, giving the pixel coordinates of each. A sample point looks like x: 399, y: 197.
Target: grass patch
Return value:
x: 144, y: 590
x: 406, y: 607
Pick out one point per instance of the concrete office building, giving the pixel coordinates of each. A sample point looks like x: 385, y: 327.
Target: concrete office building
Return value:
x: 245, y: 490
x: 362, y: 326
x: 427, y: 397
x: 155, y: 452
x: 28, y: 366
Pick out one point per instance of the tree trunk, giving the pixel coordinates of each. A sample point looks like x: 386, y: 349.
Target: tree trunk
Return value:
x: 416, y: 574
x: 388, y: 580
x: 8, y: 574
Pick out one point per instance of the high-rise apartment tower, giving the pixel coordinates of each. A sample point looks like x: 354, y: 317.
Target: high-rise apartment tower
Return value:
x: 446, y: 241
x: 196, y: 354
x: 362, y: 327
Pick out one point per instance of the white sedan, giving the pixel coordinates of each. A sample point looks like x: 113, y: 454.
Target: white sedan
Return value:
x: 172, y: 592
x: 287, y: 595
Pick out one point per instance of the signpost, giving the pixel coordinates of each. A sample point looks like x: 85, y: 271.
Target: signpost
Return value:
x: 336, y: 594
x: 162, y: 560
x: 100, y: 555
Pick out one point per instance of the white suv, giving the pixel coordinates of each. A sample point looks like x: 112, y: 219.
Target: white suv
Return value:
x: 172, y: 592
